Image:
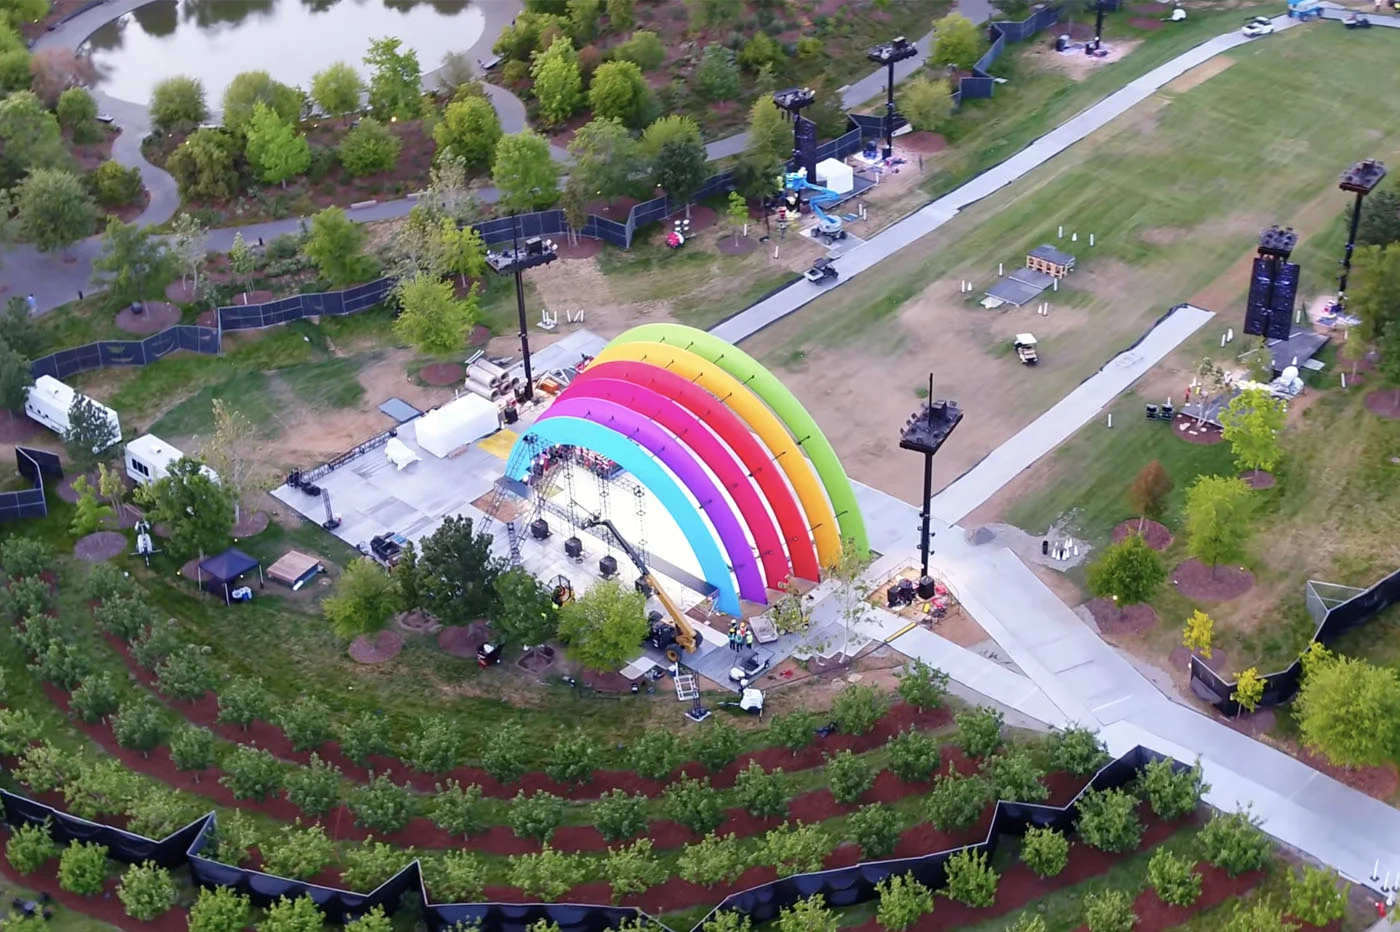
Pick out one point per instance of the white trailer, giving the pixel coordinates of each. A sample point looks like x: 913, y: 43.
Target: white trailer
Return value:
x: 149, y: 458
x: 50, y: 400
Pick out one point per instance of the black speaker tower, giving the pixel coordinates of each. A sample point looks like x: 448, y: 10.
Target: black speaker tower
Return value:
x: 1273, y: 286
x: 804, y: 132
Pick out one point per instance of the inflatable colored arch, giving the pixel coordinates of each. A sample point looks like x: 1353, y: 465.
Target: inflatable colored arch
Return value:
x: 734, y: 395
x: 579, y: 432
x: 708, y: 450
x: 784, y: 404
x: 724, y: 422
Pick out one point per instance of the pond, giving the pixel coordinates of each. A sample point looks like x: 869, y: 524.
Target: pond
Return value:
x: 214, y: 40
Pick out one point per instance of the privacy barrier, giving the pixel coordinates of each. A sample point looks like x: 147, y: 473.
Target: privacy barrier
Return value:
x: 299, y: 306
x: 980, y: 84
x: 103, y: 353
x: 34, y: 465
x: 1335, y: 618
x: 841, y: 887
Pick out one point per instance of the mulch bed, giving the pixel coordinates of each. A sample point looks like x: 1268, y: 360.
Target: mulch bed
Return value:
x: 442, y: 374
x: 1384, y: 403
x: 480, y: 335
x: 1202, y: 583
x: 106, y: 908
x: 65, y: 486
x: 1259, y: 479
x: 157, y: 316
x: 250, y: 524
x: 380, y: 647
x: 616, y: 209
x: 701, y: 218
x: 1217, y: 887
x: 1155, y: 535
x: 1180, y: 659
x: 463, y: 640
x: 208, y: 319
x: 732, y: 246
x: 100, y: 547
x: 16, y: 427
x: 586, y: 248
x: 537, y: 659
x: 416, y: 622
x: 1121, y: 621
x: 1146, y: 25
x: 606, y: 682
x: 181, y: 292
x: 920, y: 143
x: 1204, y: 434
x: 253, y: 297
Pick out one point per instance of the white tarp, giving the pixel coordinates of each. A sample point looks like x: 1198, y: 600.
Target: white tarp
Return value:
x: 456, y: 424
x: 836, y: 175
x: 399, y: 453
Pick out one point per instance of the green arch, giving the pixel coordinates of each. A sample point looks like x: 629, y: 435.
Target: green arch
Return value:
x: 783, y: 403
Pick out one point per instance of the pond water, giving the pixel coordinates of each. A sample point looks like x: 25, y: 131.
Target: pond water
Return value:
x: 214, y: 40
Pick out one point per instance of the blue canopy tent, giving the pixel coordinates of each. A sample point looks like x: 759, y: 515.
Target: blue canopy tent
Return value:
x: 217, y: 572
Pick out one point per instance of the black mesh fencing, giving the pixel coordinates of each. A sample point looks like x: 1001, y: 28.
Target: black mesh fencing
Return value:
x: 1282, y: 686
x: 300, y: 306
x: 104, y: 353
x: 979, y: 85
x: 34, y: 465
x: 121, y: 845
x: 517, y: 917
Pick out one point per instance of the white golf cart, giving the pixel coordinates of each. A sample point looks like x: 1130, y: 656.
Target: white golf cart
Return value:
x: 1025, y: 349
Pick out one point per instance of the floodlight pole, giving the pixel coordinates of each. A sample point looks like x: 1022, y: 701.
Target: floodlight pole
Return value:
x: 889, y: 54
x: 1360, y: 179
x: 924, y: 433
x: 1098, y: 25
x: 889, y: 133
x: 520, y: 309
x: 1350, y: 247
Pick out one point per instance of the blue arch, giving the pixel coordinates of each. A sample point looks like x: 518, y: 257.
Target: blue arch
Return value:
x: 618, y: 448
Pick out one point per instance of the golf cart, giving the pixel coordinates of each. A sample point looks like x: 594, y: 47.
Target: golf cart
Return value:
x: 1025, y: 349
x: 750, y: 701
x: 1355, y: 21
x: 820, y: 271
x: 1257, y: 26
x: 753, y: 663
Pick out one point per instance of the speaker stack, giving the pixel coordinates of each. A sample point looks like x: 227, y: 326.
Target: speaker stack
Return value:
x: 1273, y: 286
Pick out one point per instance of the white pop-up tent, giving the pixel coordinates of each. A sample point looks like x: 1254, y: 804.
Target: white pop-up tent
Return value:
x: 836, y: 175
x: 457, y: 424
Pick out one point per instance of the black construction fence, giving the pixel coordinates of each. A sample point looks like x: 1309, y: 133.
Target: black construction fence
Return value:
x: 34, y: 465
x: 318, y: 304
x: 103, y: 353
x: 1334, y: 618
x: 979, y: 85
x: 841, y: 887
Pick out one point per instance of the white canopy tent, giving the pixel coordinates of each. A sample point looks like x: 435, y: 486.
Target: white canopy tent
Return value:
x: 836, y: 175
x: 456, y: 424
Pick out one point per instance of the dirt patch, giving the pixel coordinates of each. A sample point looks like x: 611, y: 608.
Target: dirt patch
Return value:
x: 1153, y: 534
x: 100, y: 547
x: 616, y: 209
x: 1385, y: 403
x: 1198, y: 75
x: 1075, y: 63
x: 16, y: 427
x: 463, y: 640
x: 442, y: 374
x: 736, y: 245
x: 181, y: 292
x: 254, y: 297
x: 207, y: 319
x: 585, y: 248
x: 700, y: 216
x: 1202, y: 583
x: 153, y: 317
x: 1180, y: 659
x: 190, y: 569
x: 1146, y: 25
x: 380, y: 647
x: 1192, y: 431
x: 921, y: 143
x: 65, y: 486
x: 1259, y: 479
x: 416, y: 622
x: 1117, y: 621
x: 1255, y: 724
x: 250, y: 524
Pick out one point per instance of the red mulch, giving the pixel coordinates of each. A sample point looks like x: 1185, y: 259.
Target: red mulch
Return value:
x: 1146, y: 25
x: 1079, y: 31
x: 190, y: 569
x: 1063, y: 787
x: 380, y: 647
x: 1384, y: 403
x: 1259, y: 479
x: 607, y: 682
x: 480, y: 335
x: 105, y: 908
x: 1216, y: 887
x: 1120, y: 621
x: 442, y: 373
x: 1186, y: 428
x: 208, y: 319
x: 181, y: 292
x: 253, y: 297
x: 1153, y: 534
x: 463, y: 640
x: 250, y: 524
x: 100, y: 547
x: 16, y: 427
x: 65, y: 486
x: 586, y: 248
x: 701, y: 218
x: 921, y: 142
x: 157, y: 316
x: 616, y: 209
x: 736, y: 246
x: 1180, y: 659
x: 1202, y: 583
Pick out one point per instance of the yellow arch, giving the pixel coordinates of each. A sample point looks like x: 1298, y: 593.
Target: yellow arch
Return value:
x: 753, y: 412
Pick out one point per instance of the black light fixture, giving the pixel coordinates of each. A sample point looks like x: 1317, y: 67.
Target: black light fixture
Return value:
x: 896, y: 50
x: 535, y: 252
x: 1361, y: 179
x: 804, y: 132
x: 925, y: 432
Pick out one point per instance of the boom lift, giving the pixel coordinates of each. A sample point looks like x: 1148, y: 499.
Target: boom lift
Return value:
x: 829, y: 227
x: 668, y: 636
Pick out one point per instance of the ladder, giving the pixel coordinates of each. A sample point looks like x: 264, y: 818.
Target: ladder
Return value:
x: 686, y: 690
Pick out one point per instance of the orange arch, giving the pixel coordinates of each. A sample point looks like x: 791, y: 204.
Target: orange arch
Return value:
x: 753, y: 412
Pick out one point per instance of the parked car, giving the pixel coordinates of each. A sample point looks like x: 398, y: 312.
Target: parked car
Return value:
x: 1257, y: 26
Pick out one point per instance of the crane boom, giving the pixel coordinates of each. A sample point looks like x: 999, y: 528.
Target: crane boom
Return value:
x: 685, y: 633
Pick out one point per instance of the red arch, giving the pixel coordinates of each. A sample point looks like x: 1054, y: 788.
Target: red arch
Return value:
x: 755, y: 458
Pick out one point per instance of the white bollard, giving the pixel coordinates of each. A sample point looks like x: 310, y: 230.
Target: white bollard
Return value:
x: 775, y: 252
x: 1055, y: 285
x: 1001, y: 270
x: 1230, y: 335
x: 1110, y: 419
x: 1091, y: 239
x: 1298, y: 316
x: 1376, y: 871
x: 1295, y: 360
x: 1222, y: 341
x: 1061, y: 233
x: 1344, y: 381
x: 1074, y: 237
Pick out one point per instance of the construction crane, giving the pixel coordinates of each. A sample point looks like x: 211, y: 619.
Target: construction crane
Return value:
x: 668, y: 636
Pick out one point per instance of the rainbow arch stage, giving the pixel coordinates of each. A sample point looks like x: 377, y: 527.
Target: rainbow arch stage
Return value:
x: 738, y: 463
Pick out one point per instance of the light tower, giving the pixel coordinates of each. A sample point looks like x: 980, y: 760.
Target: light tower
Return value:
x: 536, y: 252
x: 925, y: 432
x: 804, y: 132
x: 896, y: 50
x: 1361, y: 179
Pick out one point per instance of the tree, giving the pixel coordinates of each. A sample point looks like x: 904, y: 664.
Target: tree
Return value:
x: 219, y: 909
x: 605, y: 626
x: 19, y: 330
x: 1109, y: 911
x: 712, y: 860
x: 455, y: 877
x: 1108, y: 821
x: 913, y: 755
x: 188, y: 673
x: 679, y: 167
x: 558, y: 82
x: 30, y: 847
x: 335, y: 246
x: 717, y: 77
x: 1249, y: 689
x: 457, y: 572
x: 192, y: 748
x: 526, y: 612
x: 275, y: 149
x: 82, y: 868
x: 189, y: 247
x: 620, y: 92
x: 795, y: 730
x: 857, y: 709
x: 718, y: 745
x: 370, y: 864
x: 315, y: 788
x: 146, y: 890
x: 139, y: 724
x: 1128, y: 572
x: 77, y: 113
x: 370, y: 147
x: 1174, y: 878
x: 297, y: 853
x: 396, y: 80
x: 458, y: 810
x: 1147, y: 494
x: 95, y: 698
x: 337, y: 89
x: 926, y: 102
x: 431, y: 319
x: 234, y: 834
x: 761, y: 792
x: 759, y: 52
x: 1173, y: 794
x: 875, y: 828
x: 1199, y: 633
x: 643, y: 48
x: 1045, y: 851
x: 970, y: 879
x: 1233, y: 841
x: 197, y: 510
x: 573, y: 758
x: 244, y: 700
x: 848, y: 776
x: 957, y: 42
x: 1380, y: 219
x: 618, y: 816
x: 159, y: 641
x: 1016, y: 777
x: 178, y: 104
x: 765, y: 156
x: 955, y: 802
x: 810, y: 914
x: 228, y: 453
x: 436, y: 747
x: 606, y: 159
x: 505, y: 756
x: 525, y: 173
x: 295, y: 915
x: 902, y: 900
x: 693, y: 803
x: 88, y: 512
x: 1349, y: 711
x: 134, y: 265
x: 251, y: 773
x: 31, y: 134
x: 373, y: 921
x: 205, y: 166
x: 54, y: 209
x: 631, y: 869
x: 1252, y: 421
x: 548, y: 874
x: 1217, y: 519
x: 365, y: 734
x: 621, y: 15
x: 979, y: 730
x: 122, y: 615
x: 469, y: 131
x: 1315, y: 897
x: 1259, y: 915
x: 737, y: 212
x: 15, y: 377
x: 788, y: 611
x: 365, y: 599
x: 707, y: 14
x: 795, y: 849
x: 417, y: 245
x: 381, y: 805
x: 57, y: 70
x: 1027, y: 922
x: 251, y: 88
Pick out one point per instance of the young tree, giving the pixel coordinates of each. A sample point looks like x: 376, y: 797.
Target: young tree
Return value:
x: 196, y: 509
x: 436, y: 747
x: 178, y: 104
x: 189, y: 247
x: 458, y: 810
x: 1380, y: 220
x: 88, y: 512
x: 718, y: 745
x: 1016, y: 777
x: 192, y: 748
x: 717, y: 77
x: 77, y: 113
x: 251, y: 88
x: 381, y: 805
x: 618, y: 816
x: 365, y: 598
x: 1174, y: 878
x: 396, y: 80
x: 369, y: 148
x: 188, y: 673
x: 1147, y: 494
x: 1173, y: 794
x: 857, y: 709
x: 955, y: 802
x: 1199, y: 633
x: 1128, y: 572
x: 1045, y: 851
x: 375, y: 920
x: 606, y: 159
x: 469, y: 131
x: 54, y: 209
x: 146, y: 891
x: 244, y: 700
x: 547, y: 875
x: 914, y: 755
x: 275, y: 149
x: 242, y: 260
x: 737, y: 212
x: 1349, y: 711
x: 679, y: 168
x: 573, y: 758
x: 219, y: 909
x: 337, y: 89
x: 1233, y: 841
x: 655, y: 753
x: 292, y: 915
x: 643, y: 48
x: 139, y: 724
x: 1252, y: 422
x: 712, y: 860
x: 206, y: 166
x: 631, y: 869
x: 795, y: 730
x: 455, y: 877
x: 95, y: 698
x: 848, y: 776
x: 15, y: 377
x: 875, y: 828
x: 315, y: 788
x: 620, y: 92
x: 1249, y: 689
x: 795, y: 849
x: 30, y: 133
x: 957, y: 42
x: 926, y: 102
x: 505, y: 756
x: 693, y: 803
x: 431, y: 319
x: 526, y: 612
x: 605, y: 626
x: 228, y: 453
x: 335, y: 246
x: 1109, y: 911
x: 558, y: 82
x: 971, y: 880
x: 1315, y: 896
x: 251, y: 773
x: 297, y: 853
x: 365, y: 734
x: 979, y: 730
x: 760, y: 169
x: 457, y: 574
x: 1108, y: 821
x: 525, y: 173
x: 30, y: 847
x: 903, y: 900
x: 134, y: 265
x: 1217, y: 519
x: 82, y: 868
